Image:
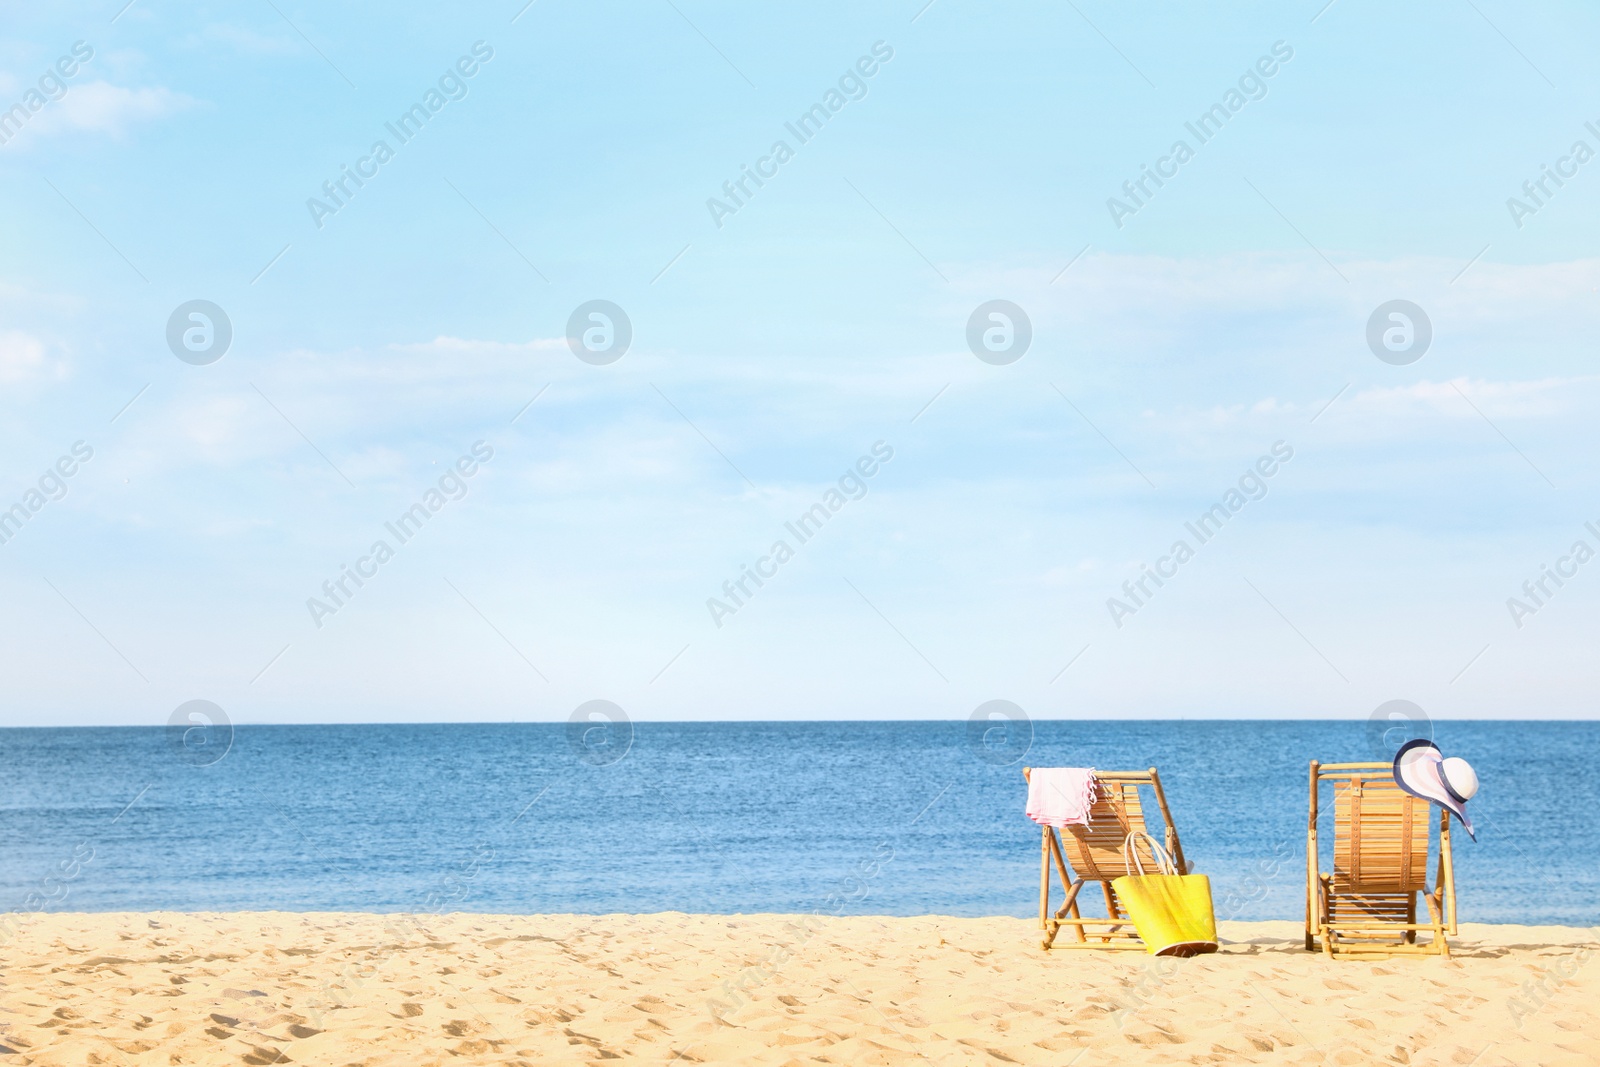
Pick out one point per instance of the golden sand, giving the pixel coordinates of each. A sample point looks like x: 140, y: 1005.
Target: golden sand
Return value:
x: 338, y: 989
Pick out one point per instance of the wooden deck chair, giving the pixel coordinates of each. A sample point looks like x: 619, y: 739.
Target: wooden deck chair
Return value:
x: 1368, y: 905
x: 1094, y: 853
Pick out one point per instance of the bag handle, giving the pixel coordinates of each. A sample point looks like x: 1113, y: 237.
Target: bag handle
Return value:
x: 1130, y: 854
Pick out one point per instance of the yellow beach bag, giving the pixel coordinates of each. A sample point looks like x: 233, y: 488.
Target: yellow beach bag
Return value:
x: 1171, y: 911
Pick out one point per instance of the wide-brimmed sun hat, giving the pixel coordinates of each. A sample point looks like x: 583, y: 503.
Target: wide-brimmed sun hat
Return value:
x: 1421, y: 770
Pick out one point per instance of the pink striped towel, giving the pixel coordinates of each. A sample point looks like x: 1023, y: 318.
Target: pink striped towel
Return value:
x: 1061, y: 796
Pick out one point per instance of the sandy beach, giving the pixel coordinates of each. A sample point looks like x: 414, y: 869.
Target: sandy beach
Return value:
x: 345, y: 988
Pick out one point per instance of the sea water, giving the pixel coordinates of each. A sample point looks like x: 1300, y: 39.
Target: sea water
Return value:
x: 897, y: 818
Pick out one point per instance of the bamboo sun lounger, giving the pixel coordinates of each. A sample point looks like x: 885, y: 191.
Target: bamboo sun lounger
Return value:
x: 1368, y: 905
x: 1095, y: 854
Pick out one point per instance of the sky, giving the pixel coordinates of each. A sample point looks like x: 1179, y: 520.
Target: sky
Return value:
x: 785, y: 338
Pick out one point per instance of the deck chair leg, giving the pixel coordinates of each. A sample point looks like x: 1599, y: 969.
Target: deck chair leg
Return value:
x: 1324, y: 914
x: 1312, y: 897
x: 1446, y: 887
x: 1044, y: 878
x: 1441, y: 944
x: 1314, y: 912
x: 1050, y: 929
x: 1050, y: 850
x: 1111, y: 910
x: 1068, y: 907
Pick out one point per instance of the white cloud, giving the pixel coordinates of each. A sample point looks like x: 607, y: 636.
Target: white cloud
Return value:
x: 24, y: 357
x: 101, y: 107
x: 464, y: 346
x: 1278, y: 300
x: 244, y: 40
x: 1511, y: 399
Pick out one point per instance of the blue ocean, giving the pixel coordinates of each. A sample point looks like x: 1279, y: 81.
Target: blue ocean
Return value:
x: 897, y: 818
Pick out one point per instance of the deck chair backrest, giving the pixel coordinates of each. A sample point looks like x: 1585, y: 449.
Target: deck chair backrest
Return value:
x: 1380, y: 837
x: 1095, y: 851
